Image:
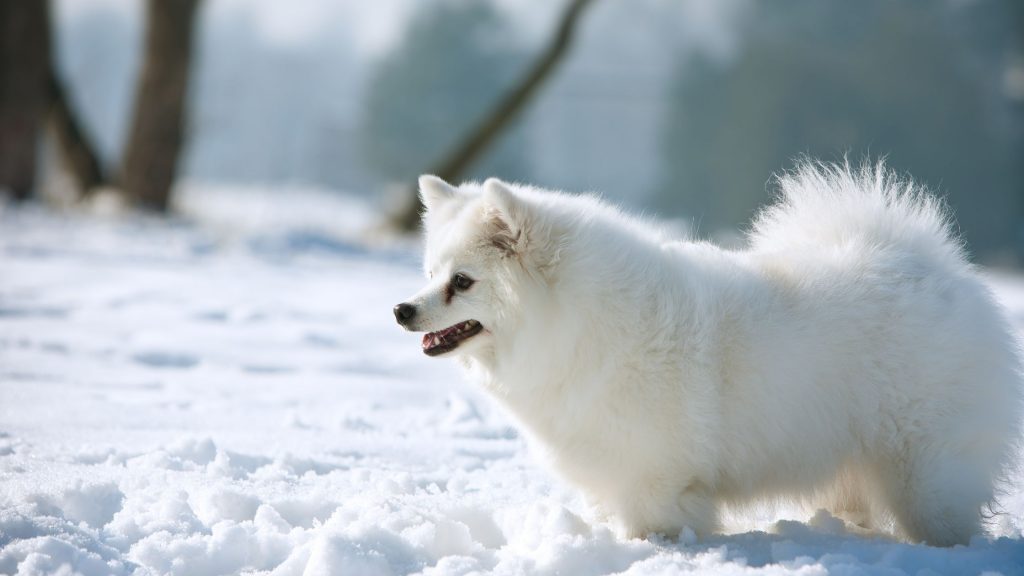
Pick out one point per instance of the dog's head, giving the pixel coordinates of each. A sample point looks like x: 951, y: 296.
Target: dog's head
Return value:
x: 485, y: 246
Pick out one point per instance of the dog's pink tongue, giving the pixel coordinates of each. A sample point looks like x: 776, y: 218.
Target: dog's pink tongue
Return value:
x: 427, y: 338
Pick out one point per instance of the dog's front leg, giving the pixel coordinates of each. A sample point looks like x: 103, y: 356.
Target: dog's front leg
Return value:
x: 658, y: 509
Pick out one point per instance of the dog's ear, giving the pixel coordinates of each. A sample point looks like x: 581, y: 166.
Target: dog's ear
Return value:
x: 434, y: 191
x: 508, y: 216
x: 517, y: 227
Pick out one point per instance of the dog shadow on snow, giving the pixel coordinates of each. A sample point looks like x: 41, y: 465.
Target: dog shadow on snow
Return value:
x: 832, y: 543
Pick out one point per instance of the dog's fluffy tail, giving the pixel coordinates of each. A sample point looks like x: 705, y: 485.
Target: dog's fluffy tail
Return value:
x: 832, y: 206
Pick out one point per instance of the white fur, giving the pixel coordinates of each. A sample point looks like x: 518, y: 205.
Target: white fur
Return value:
x: 850, y: 355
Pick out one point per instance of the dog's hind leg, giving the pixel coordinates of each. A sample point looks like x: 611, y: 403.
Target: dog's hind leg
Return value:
x: 936, y: 495
x: 940, y: 469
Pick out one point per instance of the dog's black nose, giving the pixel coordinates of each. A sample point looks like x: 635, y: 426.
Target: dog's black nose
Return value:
x: 404, y: 313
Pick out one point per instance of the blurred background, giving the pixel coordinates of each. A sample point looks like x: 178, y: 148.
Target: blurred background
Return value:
x: 683, y: 109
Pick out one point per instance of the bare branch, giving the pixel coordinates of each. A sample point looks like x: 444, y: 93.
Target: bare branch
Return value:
x: 480, y: 138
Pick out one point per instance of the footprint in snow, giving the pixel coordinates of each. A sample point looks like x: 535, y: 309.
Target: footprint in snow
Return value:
x: 267, y: 369
x: 319, y: 340
x: 170, y: 360
x: 215, y: 316
x: 33, y: 312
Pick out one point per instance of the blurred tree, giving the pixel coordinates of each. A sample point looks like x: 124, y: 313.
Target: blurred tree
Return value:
x: 455, y: 59
x: 77, y: 151
x: 158, y: 124
x: 431, y: 105
x: 24, y: 70
x: 894, y: 79
x: 31, y: 92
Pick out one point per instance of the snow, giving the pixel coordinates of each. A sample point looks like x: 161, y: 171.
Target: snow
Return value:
x: 227, y: 393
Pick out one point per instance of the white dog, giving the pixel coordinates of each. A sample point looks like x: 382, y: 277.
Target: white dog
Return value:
x: 850, y: 355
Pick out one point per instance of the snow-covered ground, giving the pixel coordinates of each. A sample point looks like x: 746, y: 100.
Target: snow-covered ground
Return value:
x: 197, y: 398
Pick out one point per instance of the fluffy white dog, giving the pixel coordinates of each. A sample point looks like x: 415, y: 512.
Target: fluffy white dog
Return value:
x: 850, y: 355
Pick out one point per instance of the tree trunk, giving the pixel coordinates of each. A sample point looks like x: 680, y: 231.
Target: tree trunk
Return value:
x: 476, y: 142
x: 24, y: 68
x: 75, y: 149
x: 157, y: 132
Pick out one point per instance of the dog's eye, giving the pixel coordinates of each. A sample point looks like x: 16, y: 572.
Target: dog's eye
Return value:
x: 462, y: 282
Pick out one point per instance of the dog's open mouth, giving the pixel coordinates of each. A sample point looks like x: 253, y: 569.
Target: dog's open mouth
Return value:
x: 446, y: 340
